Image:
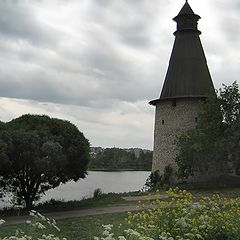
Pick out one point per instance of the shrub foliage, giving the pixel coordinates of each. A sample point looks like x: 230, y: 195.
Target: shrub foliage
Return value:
x: 183, y: 218
x: 213, y: 147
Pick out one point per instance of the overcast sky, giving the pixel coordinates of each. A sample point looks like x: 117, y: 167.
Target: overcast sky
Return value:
x: 97, y: 63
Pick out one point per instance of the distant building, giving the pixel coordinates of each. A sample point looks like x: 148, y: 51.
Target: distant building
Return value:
x: 95, y: 150
x: 187, y: 82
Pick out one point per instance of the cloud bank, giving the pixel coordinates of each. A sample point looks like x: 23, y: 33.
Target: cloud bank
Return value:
x: 98, y: 62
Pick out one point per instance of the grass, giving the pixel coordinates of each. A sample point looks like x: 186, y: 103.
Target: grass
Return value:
x: 109, y: 199
x: 100, y: 201
x: 84, y: 228
x: 52, y: 205
x: 105, y: 200
x: 90, y: 226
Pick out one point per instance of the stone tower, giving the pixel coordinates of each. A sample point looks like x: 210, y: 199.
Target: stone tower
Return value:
x: 187, y: 82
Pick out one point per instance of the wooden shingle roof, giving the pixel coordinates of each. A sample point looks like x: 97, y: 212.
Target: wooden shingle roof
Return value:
x: 188, y: 75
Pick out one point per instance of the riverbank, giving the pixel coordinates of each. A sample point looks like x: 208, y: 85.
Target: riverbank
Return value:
x: 88, y: 207
x: 119, y: 170
x: 119, y: 202
x: 103, y: 200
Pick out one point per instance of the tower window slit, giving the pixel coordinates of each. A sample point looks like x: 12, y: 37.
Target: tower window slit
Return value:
x: 163, y: 122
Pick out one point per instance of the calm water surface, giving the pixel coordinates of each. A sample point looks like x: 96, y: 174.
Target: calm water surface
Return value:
x: 117, y: 182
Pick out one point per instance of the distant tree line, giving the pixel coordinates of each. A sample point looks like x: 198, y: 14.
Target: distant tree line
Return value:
x: 119, y: 159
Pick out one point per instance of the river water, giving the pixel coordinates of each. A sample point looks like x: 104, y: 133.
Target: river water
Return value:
x: 123, y: 181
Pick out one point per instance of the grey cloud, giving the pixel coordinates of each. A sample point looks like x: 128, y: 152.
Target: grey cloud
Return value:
x: 131, y: 21
x: 96, y: 74
x: 103, y: 3
x: 5, y: 114
x: 136, y: 35
x: 18, y: 22
x: 231, y: 26
x: 87, y: 89
x: 236, y: 3
x: 229, y: 20
x: 23, y: 88
x: 114, y: 56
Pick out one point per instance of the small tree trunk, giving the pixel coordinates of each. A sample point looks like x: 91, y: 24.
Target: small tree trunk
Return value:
x: 29, y: 203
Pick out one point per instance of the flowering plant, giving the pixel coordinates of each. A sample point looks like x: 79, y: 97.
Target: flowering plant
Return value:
x: 38, y: 221
x: 183, y: 218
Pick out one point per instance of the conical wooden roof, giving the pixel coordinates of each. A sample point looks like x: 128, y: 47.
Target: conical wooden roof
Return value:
x: 186, y: 9
x: 188, y: 74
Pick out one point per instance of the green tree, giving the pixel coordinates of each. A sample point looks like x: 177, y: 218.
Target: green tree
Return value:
x: 117, y: 158
x: 214, y: 144
x: 230, y: 109
x: 38, y: 153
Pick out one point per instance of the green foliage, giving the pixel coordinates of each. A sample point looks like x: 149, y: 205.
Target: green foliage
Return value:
x: 214, y: 145
x: 129, y: 233
x: 83, y: 228
x: 182, y: 218
x: 157, y: 182
x: 38, y: 153
x: 102, y: 200
x: 39, y: 224
x: 97, y: 192
x: 168, y: 175
x: 116, y: 158
x: 154, y: 181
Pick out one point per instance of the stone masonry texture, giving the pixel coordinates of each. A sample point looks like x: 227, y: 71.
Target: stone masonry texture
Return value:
x: 171, y: 121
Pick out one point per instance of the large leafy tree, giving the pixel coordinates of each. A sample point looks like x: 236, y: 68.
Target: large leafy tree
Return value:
x: 214, y: 145
x: 38, y: 153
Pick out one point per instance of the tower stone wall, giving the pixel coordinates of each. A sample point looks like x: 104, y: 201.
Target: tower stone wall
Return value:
x: 172, y: 118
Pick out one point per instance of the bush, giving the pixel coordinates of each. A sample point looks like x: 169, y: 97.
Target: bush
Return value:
x: 182, y: 218
x: 97, y: 193
x: 210, y: 218
x: 156, y: 181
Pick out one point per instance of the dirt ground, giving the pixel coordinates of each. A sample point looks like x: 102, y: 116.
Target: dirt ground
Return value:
x: 88, y: 212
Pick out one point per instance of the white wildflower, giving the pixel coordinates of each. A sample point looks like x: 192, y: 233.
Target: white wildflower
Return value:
x: 56, y: 227
x: 40, y: 225
x: 106, y: 232
x: 198, y: 236
x: 2, y: 221
x: 108, y: 227
x: 132, y: 232
x: 121, y: 238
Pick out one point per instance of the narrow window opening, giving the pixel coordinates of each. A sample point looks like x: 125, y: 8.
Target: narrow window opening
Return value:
x: 163, y: 122
x: 196, y: 119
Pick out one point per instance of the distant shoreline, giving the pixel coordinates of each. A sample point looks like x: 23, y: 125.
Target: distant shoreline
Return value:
x: 117, y: 170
